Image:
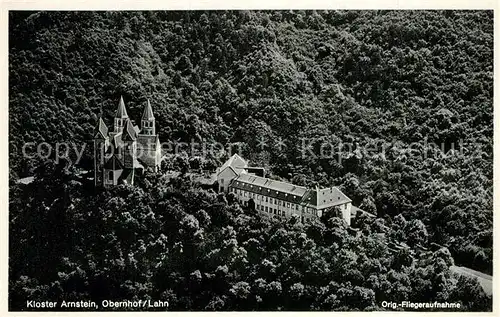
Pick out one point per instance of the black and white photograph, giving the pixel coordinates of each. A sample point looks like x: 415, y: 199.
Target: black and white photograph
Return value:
x: 250, y: 160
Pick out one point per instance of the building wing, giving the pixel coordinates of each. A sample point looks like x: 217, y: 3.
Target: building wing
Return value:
x: 268, y: 187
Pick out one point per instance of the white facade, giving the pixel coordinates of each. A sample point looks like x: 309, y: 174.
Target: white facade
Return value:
x: 285, y: 209
x: 277, y: 198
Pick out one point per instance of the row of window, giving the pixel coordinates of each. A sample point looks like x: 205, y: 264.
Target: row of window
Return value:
x: 257, y: 197
x: 277, y: 212
x: 262, y: 198
x: 145, y: 124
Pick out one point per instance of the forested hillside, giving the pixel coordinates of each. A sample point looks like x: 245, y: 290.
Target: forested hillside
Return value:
x: 198, y: 250
x: 405, y: 79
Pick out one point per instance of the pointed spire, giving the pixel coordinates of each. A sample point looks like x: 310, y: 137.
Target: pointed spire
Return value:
x: 121, y: 112
x: 148, y: 112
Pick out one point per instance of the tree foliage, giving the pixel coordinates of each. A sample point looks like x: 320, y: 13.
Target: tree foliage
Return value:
x: 409, y: 79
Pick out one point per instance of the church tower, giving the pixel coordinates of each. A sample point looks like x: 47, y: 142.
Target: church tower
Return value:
x: 121, y: 116
x: 148, y: 121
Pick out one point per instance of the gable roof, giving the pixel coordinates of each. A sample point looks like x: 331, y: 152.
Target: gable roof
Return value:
x: 148, y: 112
x: 329, y: 197
x: 236, y: 163
x: 101, y: 130
x: 121, y: 112
x: 116, y: 140
x: 129, y: 133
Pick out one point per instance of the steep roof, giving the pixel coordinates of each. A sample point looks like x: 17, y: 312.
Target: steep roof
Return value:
x: 329, y: 197
x: 148, y: 112
x: 101, y: 130
x: 325, y: 198
x: 121, y: 112
x: 116, y: 139
x: 236, y: 163
x: 129, y: 133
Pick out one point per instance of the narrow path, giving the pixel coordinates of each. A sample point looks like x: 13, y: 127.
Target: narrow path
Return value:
x: 485, y: 280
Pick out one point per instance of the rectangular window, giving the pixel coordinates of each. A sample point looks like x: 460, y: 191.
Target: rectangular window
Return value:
x: 267, y: 199
x: 288, y: 205
x: 110, y: 176
x: 266, y: 208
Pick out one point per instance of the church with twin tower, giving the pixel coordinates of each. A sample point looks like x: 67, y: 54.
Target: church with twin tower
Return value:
x: 126, y: 150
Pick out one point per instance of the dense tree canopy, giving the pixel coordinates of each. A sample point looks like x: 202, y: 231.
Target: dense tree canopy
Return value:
x: 169, y: 239
x: 399, y: 82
